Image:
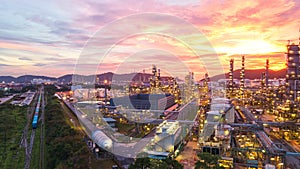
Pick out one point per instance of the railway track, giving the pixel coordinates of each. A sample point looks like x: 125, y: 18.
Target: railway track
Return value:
x: 28, y: 148
x: 28, y: 157
x: 41, y: 162
x: 42, y: 134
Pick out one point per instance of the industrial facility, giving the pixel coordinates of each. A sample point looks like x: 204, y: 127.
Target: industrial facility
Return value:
x: 245, y: 123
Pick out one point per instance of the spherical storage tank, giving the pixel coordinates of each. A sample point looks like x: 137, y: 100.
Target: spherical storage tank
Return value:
x: 102, y: 140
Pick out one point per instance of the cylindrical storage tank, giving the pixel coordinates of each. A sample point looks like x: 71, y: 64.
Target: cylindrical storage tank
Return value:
x: 102, y: 140
x: 270, y: 166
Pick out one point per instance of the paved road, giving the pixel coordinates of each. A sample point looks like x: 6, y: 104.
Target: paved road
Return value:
x: 72, y: 118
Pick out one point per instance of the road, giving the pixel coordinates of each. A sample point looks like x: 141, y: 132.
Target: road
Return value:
x: 72, y: 118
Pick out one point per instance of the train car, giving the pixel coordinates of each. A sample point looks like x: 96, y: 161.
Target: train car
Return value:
x: 35, y: 121
x: 36, y: 113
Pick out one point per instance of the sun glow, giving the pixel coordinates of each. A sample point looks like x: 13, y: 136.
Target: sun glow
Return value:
x: 250, y: 47
x: 278, y: 67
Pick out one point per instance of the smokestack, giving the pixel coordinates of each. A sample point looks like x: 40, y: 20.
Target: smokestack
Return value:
x: 154, y: 70
x: 231, y: 75
x: 206, y: 79
x: 263, y: 77
x: 267, y: 72
x: 193, y: 76
x: 242, y: 76
x: 158, y: 73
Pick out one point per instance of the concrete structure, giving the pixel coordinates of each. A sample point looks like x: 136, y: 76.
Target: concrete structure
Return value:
x: 168, y: 135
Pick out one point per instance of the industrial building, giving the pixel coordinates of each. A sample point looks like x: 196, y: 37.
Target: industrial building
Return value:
x: 293, y: 70
x: 145, y: 101
x: 231, y: 128
x: 167, y: 140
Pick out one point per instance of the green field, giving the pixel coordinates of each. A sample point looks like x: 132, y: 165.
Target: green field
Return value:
x: 12, y: 122
x: 64, y: 145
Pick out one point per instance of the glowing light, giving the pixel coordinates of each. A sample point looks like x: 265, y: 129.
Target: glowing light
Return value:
x: 250, y: 47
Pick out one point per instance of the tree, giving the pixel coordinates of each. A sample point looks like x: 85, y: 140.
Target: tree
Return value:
x: 140, y: 163
x: 173, y: 164
x: 1, y: 93
x: 64, y: 145
x: 147, y: 163
x: 207, y: 161
x: 29, y: 87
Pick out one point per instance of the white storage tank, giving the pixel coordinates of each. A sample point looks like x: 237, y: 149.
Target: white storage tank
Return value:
x: 102, y: 140
x: 270, y: 166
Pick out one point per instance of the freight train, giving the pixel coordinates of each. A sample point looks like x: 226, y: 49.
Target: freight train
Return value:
x: 36, y: 113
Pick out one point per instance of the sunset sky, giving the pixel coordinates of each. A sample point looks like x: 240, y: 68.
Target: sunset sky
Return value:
x: 48, y: 37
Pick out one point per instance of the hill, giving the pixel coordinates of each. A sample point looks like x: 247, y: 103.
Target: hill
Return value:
x: 254, y: 74
x: 249, y: 74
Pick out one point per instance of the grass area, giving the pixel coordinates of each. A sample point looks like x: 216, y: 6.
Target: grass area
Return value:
x: 64, y: 147
x: 102, y: 164
x: 12, y: 122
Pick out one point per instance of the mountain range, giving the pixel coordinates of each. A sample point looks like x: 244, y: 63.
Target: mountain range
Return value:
x: 249, y: 74
x: 254, y: 74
